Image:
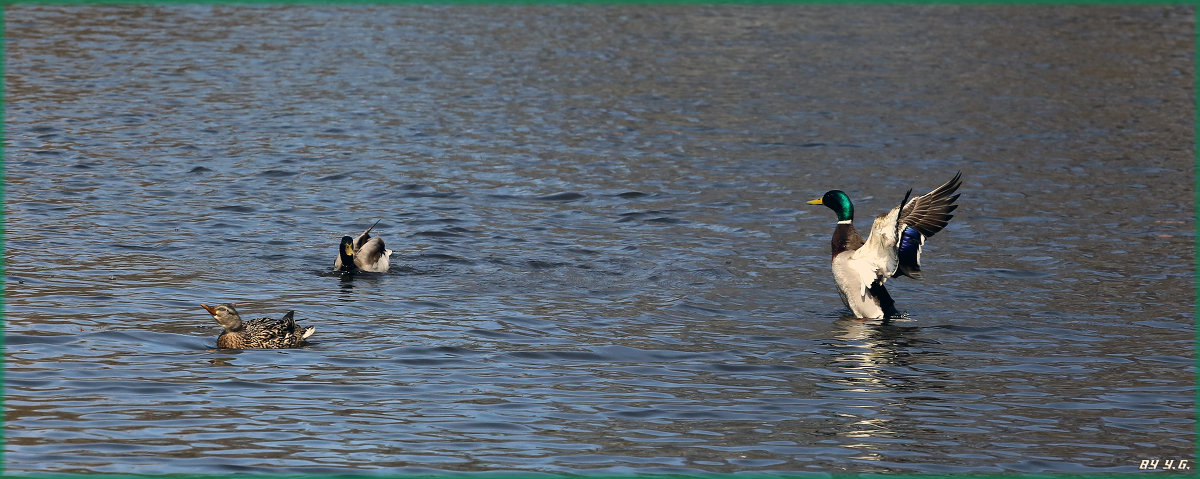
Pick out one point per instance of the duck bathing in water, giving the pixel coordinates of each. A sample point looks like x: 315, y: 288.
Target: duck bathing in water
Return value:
x: 261, y: 333
x: 362, y: 253
x: 892, y: 248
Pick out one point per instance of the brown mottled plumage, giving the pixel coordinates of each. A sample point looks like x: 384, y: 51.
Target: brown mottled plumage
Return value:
x: 261, y: 333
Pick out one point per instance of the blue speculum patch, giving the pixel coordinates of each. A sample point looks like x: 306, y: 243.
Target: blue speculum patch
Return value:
x: 910, y: 243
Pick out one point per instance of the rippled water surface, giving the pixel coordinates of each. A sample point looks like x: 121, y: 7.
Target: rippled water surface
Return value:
x: 603, y: 262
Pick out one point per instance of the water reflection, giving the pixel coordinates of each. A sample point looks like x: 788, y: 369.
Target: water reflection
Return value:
x: 877, y: 351
x: 604, y: 245
x: 881, y: 366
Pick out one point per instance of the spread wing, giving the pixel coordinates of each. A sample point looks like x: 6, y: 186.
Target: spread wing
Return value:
x: 893, y: 247
x: 929, y: 213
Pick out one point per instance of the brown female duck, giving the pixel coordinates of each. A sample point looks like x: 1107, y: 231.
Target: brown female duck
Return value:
x: 261, y: 333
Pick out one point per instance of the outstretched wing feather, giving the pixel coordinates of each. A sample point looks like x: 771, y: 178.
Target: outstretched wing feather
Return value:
x: 365, y: 236
x: 927, y: 214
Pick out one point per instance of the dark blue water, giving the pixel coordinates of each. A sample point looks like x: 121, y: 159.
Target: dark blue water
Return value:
x: 603, y: 260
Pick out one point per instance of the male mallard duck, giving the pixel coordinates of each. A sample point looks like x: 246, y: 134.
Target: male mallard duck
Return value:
x: 261, y: 333
x: 364, y: 253
x: 893, y: 247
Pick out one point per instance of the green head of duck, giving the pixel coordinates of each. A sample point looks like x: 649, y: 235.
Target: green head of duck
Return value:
x: 837, y: 201
x: 346, y: 252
